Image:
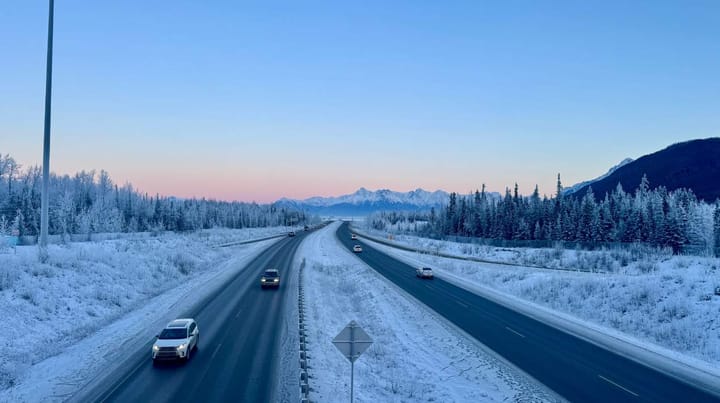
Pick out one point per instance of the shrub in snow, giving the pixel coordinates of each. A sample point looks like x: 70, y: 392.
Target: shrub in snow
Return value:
x: 12, y: 365
x: 646, y: 266
x: 184, y: 263
x: 8, y: 277
x: 29, y: 296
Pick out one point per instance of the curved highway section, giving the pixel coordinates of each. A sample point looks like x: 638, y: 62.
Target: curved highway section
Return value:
x: 574, y: 368
x: 238, y: 355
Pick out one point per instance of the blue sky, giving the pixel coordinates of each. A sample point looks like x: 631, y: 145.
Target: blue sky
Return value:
x: 259, y: 100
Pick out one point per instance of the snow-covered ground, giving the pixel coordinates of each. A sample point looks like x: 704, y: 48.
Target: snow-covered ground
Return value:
x: 64, y: 314
x: 633, y: 259
x: 416, y: 355
x: 657, y: 298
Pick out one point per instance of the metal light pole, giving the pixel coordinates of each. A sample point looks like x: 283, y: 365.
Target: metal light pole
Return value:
x: 46, y: 142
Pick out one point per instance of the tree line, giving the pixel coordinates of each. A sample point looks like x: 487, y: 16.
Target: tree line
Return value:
x: 658, y: 217
x: 89, y: 203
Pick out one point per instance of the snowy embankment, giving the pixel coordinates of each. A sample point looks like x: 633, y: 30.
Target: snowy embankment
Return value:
x: 657, y: 300
x: 635, y: 258
x: 67, y: 315
x: 416, y: 355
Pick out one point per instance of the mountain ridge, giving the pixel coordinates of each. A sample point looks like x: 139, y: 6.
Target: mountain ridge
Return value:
x: 693, y: 164
x: 580, y: 185
x: 364, y: 201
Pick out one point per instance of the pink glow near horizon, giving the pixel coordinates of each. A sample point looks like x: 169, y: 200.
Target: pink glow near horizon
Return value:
x: 264, y: 185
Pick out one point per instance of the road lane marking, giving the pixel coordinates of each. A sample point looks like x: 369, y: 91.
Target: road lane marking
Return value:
x: 112, y: 392
x: 516, y: 332
x: 216, y: 351
x: 618, y: 385
x: 461, y: 304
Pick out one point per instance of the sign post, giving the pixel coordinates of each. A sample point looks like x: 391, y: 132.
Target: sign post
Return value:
x: 352, y: 341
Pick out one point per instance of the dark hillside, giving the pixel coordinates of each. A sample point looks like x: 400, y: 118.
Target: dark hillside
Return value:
x: 693, y: 165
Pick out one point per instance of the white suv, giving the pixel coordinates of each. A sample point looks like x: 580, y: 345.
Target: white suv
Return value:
x: 424, y: 272
x: 176, y: 341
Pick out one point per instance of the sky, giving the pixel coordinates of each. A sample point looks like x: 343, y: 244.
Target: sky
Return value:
x: 255, y: 101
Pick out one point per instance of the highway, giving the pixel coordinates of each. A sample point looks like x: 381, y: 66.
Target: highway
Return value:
x: 574, y: 368
x: 238, y: 354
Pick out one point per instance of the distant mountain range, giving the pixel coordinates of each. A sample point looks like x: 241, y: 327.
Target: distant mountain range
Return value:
x: 693, y: 165
x: 364, y: 201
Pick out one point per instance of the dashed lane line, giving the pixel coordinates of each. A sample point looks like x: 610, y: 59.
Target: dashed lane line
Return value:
x: 516, y: 332
x: 618, y: 386
x: 216, y: 351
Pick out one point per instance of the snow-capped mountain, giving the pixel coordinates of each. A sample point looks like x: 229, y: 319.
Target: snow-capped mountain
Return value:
x: 574, y: 188
x: 364, y: 201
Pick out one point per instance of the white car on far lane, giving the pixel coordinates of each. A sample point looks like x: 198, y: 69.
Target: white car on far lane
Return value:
x: 357, y: 248
x: 424, y: 272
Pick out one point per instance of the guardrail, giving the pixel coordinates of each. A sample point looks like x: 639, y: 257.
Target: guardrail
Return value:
x: 449, y: 256
x: 304, y: 377
x: 229, y: 244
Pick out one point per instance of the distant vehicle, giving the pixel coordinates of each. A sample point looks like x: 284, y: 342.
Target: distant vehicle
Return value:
x: 271, y: 278
x: 357, y: 248
x: 353, y: 237
x: 179, y: 338
x: 291, y: 233
x: 307, y: 228
x: 424, y: 272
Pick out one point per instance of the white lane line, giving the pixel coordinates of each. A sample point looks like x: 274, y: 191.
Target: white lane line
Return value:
x: 216, y: 351
x: 238, y: 314
x: 516, y: 332
x: 112, y: 392
x: 618, y: 385
x: 461, y: 304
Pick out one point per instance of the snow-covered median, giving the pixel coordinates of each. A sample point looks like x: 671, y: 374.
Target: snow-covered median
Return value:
x: 416, y: 355
x: 65, y: 316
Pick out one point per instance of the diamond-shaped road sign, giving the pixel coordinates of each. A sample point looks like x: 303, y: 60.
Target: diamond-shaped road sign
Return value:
x: 352, y: 341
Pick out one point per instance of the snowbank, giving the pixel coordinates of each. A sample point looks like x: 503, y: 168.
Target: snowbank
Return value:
x: 666, y: 316
x: 56, y: 308
x: 416, y: 355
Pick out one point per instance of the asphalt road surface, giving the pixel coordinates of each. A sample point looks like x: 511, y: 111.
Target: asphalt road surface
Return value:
x: 575, y: 369
x: 237, y: 359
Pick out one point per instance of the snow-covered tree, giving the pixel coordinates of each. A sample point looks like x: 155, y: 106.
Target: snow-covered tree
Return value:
x: 89, y: 203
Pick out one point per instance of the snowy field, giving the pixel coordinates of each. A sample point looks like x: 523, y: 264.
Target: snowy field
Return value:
x: 633, y: 259
x: 658, y: 298
x: 59, y: 310
x: 416, y: 355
